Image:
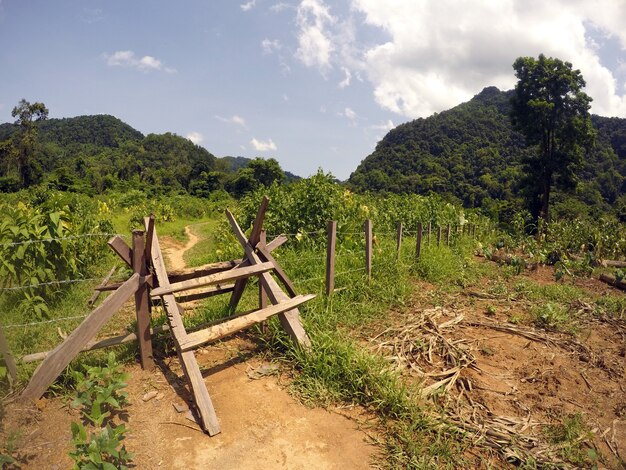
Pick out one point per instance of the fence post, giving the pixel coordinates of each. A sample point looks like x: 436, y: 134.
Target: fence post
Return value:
x: 398, y: 240
x: 429, y: 230
x: 448, y: 234
x: 262, y: 294
x: 142, y: 301
x: 418, y: 241
x: 7, y: 357
x: 330, y: 256
x: 438, y: 235
x: 368, y: 248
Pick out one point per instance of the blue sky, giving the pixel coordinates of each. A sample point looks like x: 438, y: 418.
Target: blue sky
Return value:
x: 310, y: 83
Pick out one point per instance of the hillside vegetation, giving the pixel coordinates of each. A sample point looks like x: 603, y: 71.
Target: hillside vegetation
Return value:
x: 471, y: 153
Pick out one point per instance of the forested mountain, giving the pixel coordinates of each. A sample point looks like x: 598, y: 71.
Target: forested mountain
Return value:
x: 92, y: 154
x: 472, y: 153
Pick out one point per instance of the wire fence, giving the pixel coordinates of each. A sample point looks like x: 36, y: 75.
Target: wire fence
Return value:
x: 309, y: 266
x: 71, y: 237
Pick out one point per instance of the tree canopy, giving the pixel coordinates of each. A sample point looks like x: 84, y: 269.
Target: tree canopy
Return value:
x: 551, y: 109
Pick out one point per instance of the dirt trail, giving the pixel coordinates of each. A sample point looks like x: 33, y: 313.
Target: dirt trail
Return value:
x: 263, y: 427
x: 175, y: 251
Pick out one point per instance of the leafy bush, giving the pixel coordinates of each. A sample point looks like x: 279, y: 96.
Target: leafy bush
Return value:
x: 99, y: 391
x: 101, y: 451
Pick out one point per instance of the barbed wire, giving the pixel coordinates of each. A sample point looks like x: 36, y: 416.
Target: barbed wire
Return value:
x: 71, y: 237
x: 66, y: 281
x: 43, y: 322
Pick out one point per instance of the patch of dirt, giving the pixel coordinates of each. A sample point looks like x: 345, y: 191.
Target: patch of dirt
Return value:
x: 526, y: 382
x: 263, y: 427
x: 174, y: 250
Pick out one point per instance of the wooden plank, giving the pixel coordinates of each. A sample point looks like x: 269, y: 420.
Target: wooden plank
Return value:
x: 7, y: 357
x: 289, y: 320
x: 207, y: 269
x: 257, y: 226
x: 240, y: 322
x: 280, y: 273
x: 263, y: 299
x: 204, y: 294
x: 368, y: 249
x: 276, y: 242
x: 142, y: 301
x: 62, y: 355
x: 187, y: 359
x: 331, y: 244
x: 398, y: 239
x: 418, y: 241
x: 121, y: 249
x: 217, y: 278
x: 149, y: 224
x: 100, y: 344
x: 92, y: 300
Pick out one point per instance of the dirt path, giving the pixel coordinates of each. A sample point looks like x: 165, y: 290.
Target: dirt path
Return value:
x: 175, y: 251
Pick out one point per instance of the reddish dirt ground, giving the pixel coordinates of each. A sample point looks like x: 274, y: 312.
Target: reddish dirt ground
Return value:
x: 263, y: 427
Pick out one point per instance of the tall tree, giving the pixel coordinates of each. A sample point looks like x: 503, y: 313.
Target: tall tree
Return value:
x: 551, y: 110
x: 26, y: 114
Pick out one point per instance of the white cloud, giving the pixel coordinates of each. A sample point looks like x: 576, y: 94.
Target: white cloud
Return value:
x: 384, y: 126
x: 349, y: 113
x: 263, y: 146
x: 129, y: 59
x: 195, y: 137
x: 281, y: 6
x: 248, y: 6
x: 314, y: 40
x: 348, y: 77
x: 237, y: 120
x: 269, y: 46
x: 441, y: 53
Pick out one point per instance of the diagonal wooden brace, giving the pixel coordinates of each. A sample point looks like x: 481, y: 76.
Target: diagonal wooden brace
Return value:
x: 289, y: 320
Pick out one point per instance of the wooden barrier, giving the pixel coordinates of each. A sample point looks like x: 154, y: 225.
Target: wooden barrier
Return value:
x: 398, y: 240
x: 368, y: 249
x: 418, y: 241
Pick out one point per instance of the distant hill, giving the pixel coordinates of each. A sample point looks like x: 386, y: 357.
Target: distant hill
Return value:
x: 94, y: 153
x: 471, y: 153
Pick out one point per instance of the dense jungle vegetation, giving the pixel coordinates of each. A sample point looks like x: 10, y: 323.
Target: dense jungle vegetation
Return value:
x: 472, y: 154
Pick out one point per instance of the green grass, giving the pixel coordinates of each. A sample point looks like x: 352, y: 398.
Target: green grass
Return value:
x: 204, y: 251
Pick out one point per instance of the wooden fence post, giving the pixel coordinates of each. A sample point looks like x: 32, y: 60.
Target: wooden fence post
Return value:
x: 448, y: 234
x: 7, y: 357
x: 263, y: 300
x: 418, y: 241
x: 142, y: 302
x: 330, y: 256
x: 398, y: 240
x: 429, y: 231
x: 368, y: 248
x: 438, y: 235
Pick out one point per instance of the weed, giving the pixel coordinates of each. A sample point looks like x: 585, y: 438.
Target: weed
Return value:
x: 8, y: 450
x: 100, y: 392
x: 551, y: 316
x: 99, y: 451
x: 570, y: 435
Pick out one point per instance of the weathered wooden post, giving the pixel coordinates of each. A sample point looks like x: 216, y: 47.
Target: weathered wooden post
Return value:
x: 142, y: 302
x: 418, y: 241
x: 398, y: 240
x: 448, y: 234
x: 438, y: 235
x: 262, y: 294
x: 330, y: 256
x: 368, y: 249
x: 7, y: 357
x: 429, y: 231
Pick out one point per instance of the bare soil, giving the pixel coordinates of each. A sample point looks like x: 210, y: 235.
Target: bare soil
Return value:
x: 531, y: 384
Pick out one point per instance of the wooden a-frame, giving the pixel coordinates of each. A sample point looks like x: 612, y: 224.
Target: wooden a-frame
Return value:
x: 152, y: 280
